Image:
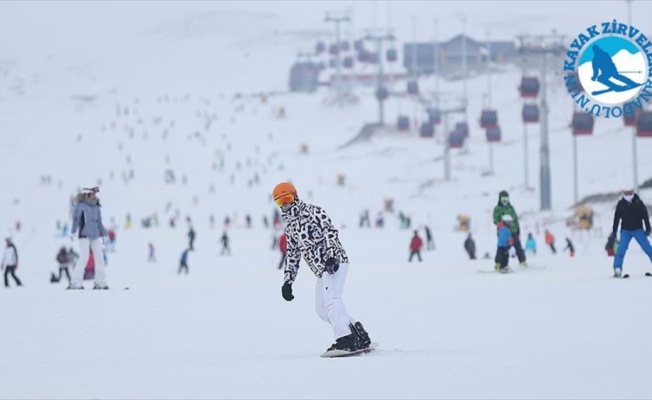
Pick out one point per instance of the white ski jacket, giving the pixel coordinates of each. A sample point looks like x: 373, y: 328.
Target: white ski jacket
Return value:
x: 10, y: 258
x: 311, y: 234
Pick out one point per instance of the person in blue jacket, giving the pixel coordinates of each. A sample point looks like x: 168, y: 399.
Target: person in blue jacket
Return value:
x: 505, y: 241
x: 530, y: 244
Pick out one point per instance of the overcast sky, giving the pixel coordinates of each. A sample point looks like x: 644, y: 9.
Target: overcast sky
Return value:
x: 68, y: 26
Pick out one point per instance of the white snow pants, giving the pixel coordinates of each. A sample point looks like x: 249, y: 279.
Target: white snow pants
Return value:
x: 329, y: 304
x: 85, y: 245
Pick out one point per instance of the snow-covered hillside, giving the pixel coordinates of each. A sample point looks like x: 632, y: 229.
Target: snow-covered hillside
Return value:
x: 179, y: 89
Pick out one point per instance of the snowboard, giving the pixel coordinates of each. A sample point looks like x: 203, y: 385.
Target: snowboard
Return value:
x: 344, y: 353
x: 625, y: 276
x: 493, y: 271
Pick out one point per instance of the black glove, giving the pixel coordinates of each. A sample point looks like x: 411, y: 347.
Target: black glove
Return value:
x: 332, y: 265
x: 286, y: 291
x: 613, y: 235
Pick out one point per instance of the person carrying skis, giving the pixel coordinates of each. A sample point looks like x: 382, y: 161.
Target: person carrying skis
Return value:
x: 311, y: 235
x: 87, y: 223
x: 505, y: 241
x: 504, y: 207
x: 631, y: 214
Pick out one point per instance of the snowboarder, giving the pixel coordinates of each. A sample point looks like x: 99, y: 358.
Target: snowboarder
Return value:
x: 248, y: 221
x: 550, y: 241
x: 191, y: 239
x: 631, y: 214
x: 311, y: 234
x: 604, y: 69
x: 530, y: 244
x: 283, y: 246
x: 505, y: 241
x: 10, y: 262
x: 469, y: 246
x: 430, y: 245
x: 504, y: 207
x: 415, y: 246
x: 569, y: 247
x: 183, y: 263
x: 87, y: 222
x: 225, y: 244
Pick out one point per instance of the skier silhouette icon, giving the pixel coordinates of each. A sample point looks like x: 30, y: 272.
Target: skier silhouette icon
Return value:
x: 604, y: 69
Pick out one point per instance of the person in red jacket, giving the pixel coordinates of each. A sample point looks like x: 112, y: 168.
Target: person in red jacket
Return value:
x: 415, y: 246
x: 283, y: 246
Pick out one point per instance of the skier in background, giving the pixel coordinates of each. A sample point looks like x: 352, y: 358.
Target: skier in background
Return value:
x: 151, y: 256
x: 191, y: 239
x: 469, y: 246
x: 380, y: 220
x: 430, y: 245
x: 570, y: 247
x: 505, y: 241
x: 283, y: 247
x: 530, y: 244
x: 311, y: 234
x: 111, y: 243
x: 64, y: 262
x: 631, y: 214
x: 550, y: 241
x: 364, y: 219
x: 183, y: 263
x: 504, y: 207
x: 416, y: 244
x: 10, y: 262
x: 225, y: 244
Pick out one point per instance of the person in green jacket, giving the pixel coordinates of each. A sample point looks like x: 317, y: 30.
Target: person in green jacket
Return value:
x: 504, y: 207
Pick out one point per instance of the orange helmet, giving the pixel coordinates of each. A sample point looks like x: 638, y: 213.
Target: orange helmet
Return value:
x: 282, y: 189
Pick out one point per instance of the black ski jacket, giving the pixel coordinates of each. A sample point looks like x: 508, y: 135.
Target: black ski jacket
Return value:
x: 633, y: 215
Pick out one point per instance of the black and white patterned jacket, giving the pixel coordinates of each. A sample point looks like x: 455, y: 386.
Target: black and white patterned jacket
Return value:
x: 311, y: 234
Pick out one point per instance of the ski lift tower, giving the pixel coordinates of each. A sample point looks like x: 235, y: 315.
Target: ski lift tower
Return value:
x: 453, y: 105
x: 378, y: 36
x: 338, y: 18
x: 543, y: 45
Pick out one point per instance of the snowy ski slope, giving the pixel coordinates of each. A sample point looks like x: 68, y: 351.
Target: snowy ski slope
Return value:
x: 564, y: 330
